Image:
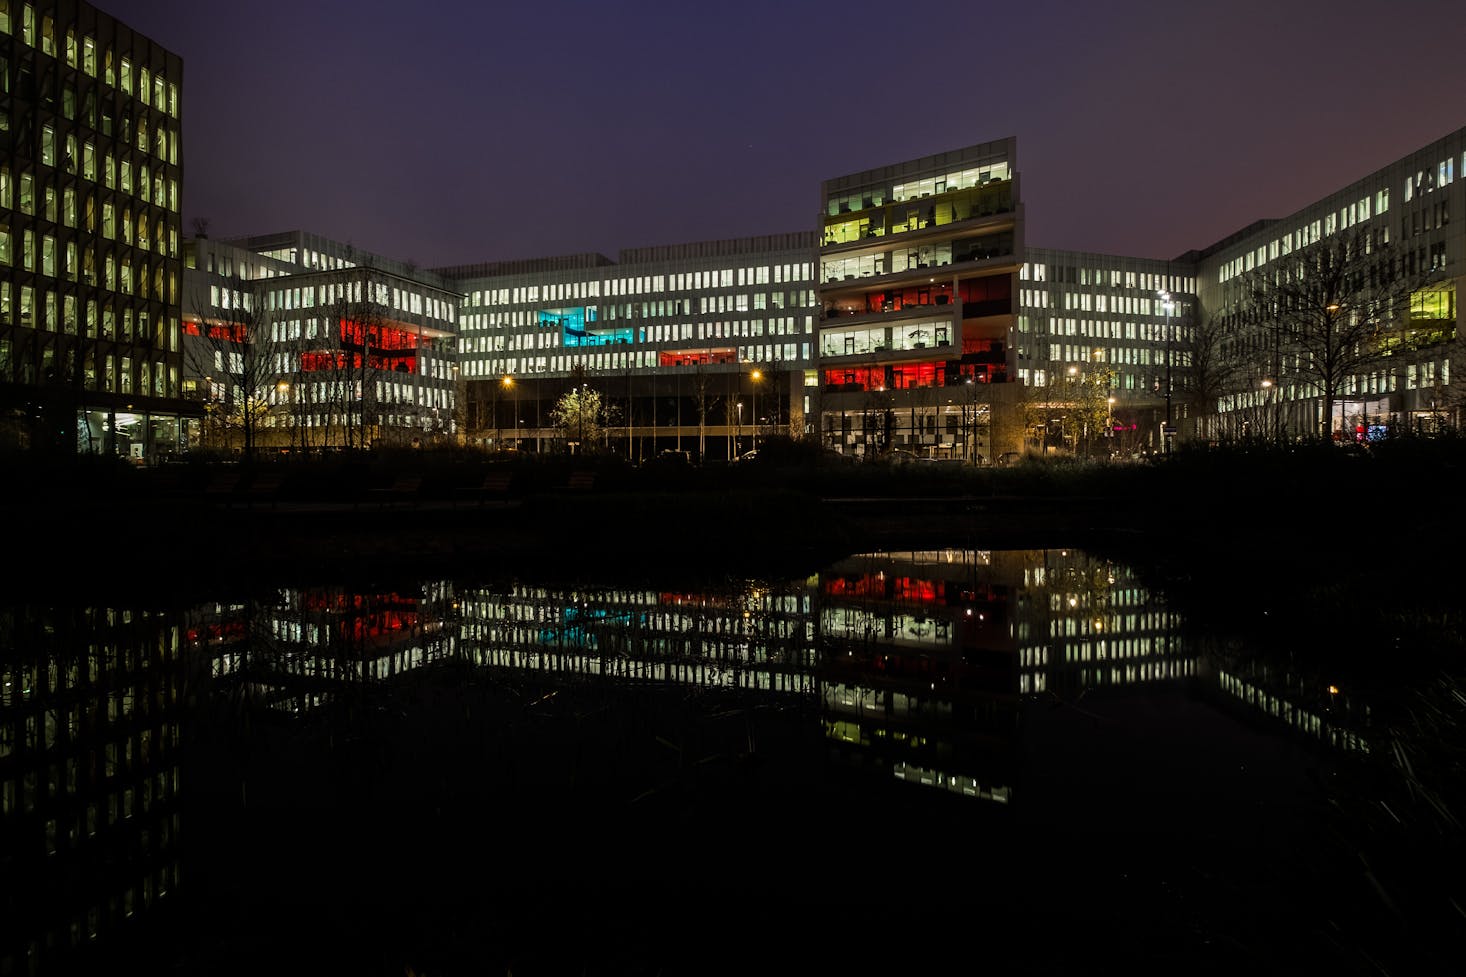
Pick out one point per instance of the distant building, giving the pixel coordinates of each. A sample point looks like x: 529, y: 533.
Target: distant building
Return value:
x: 702, y: 347
x: 90, y: 270
x: 916, y: 322
x: 1402, y: 215
x: 297, y: 342
x: 1103, y: 361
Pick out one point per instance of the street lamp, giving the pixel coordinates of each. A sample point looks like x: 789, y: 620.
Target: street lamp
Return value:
x: 1267, y: 392
x: 756, y: 376
x: 738, y: 431
x: 508, y: 385
x: 1166, y: 432
x: 1071, y: 409
x: 968, y: 421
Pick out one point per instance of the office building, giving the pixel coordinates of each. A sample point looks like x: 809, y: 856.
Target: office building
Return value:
x: 91, y: 175
x: 1288, y: 378
x: 918, y: 271
x: 702, y: 348
x: 296, y: 342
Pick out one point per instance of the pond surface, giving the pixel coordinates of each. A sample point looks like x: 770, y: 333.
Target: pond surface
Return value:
x: 1022, y: 760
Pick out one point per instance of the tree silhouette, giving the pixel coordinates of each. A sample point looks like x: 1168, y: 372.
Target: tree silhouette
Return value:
x: 1325, y: 312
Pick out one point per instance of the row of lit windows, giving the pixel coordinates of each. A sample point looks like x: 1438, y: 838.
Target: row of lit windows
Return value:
x: 1310, y: 232
x: 643, y: 284
x: 378, y: 293
x: 551, y: 601
x: 72, y: 209
x: 1443, y: 174
x: 152, y: 89
x: 62, y: 150
x: 869, y: 197
x: 1150, y: 282
x: 305, y: 258
x: 1155, y: 331
x: 119, y: 374
x: 100, y: 320
x: 1428, y: 374
x: 597, y: 361
x: 1292, y: 714
x: 60, y: 262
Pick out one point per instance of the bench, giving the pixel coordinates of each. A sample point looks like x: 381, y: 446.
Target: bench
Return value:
x: 581, y: 481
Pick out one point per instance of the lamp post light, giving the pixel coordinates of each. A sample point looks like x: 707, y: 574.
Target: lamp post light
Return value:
x: 1167, y: 432
x: 1267, y: 392
x: 1072, y: 395
x: 508, y: 384
x: 968, y: 422
x: 756, y: 376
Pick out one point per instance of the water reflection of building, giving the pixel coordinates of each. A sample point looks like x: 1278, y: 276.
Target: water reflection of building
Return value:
x: 919, y: 669
x: 743, y: 635
x: 1086, y: 623
x: 1311, y: 706
x: 89, y: 779
x: 296, y: 649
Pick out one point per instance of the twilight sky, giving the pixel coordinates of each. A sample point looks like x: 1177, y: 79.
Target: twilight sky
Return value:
x: 454, y: 131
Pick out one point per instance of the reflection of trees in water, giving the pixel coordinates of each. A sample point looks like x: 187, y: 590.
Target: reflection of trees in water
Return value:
x: 1391, y: 741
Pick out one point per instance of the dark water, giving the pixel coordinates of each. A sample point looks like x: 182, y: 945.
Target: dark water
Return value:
x: 1021, y: 761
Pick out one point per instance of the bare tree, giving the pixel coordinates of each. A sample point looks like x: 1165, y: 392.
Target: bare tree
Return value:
x: 1326, y: 309
x: 705, y: 401
x: 1209, y: 373
x: 237, y: 353
x: 350, y: 358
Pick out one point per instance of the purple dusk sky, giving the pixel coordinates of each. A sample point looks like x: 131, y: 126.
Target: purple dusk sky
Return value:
x: 451, y: 132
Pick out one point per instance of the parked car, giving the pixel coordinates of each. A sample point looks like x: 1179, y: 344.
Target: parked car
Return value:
x: 670, y: 458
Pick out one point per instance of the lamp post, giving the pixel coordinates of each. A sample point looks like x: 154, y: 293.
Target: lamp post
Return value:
x: 1072, y: 395
x: 1167, y: 432
x: 508, y: 385
x: 1267, y: 392
x: 756, y: 376
x: 968, y: 420
x: 738, y: 432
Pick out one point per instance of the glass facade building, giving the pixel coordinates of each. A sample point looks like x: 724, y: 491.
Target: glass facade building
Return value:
x: 91, y: 178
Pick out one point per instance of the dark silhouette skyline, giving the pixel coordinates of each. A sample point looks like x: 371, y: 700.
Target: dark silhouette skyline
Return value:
x: 453, y: 132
